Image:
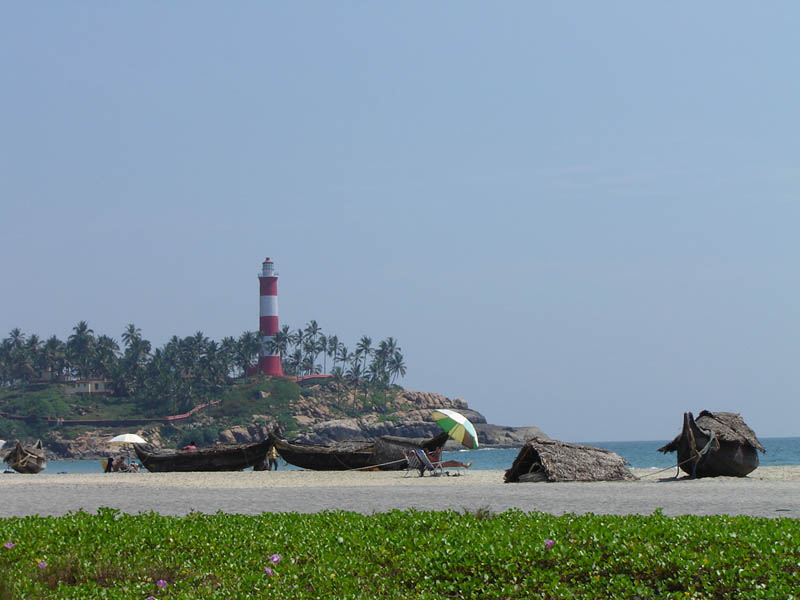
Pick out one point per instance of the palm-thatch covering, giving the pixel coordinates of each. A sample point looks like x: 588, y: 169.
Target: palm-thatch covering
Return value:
x: 718, y: 443
x: 27, y: 459
x: 551, y: 460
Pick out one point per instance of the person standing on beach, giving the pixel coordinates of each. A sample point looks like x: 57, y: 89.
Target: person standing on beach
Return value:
x: 273, y: 458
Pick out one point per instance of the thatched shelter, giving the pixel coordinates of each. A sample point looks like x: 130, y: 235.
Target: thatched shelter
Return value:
x: 728, y: 427
x: 718, y: 443
x: 551, y: 460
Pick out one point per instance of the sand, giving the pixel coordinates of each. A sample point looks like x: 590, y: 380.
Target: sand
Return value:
x: 768, y: 491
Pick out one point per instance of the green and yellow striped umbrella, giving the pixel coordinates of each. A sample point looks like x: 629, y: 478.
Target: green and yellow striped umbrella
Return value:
x: 457, y: 426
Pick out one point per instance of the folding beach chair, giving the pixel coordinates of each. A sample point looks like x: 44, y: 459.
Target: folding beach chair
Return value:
x: 412, y: 462
x: 427, y: 465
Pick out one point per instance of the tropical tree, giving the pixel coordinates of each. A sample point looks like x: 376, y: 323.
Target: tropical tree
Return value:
x: 293, y: 363
x: 249, y: 350
x: 129, y: 376
x: 281, y: 341
x: 80, y: 346
x: 105, y: 356
x: 227, y: 354
x: 131, y: 335
x: 396, y: 366
x: 54, y: 354
x: 332, y: 349
x: 364, y: 348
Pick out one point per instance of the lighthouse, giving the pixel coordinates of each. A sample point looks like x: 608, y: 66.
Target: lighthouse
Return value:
x: 269, y: 362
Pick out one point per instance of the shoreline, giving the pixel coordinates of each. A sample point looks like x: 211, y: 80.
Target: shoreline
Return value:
x: 768, y: 491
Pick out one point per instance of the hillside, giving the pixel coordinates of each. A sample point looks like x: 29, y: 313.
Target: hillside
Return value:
x: 320, y: 411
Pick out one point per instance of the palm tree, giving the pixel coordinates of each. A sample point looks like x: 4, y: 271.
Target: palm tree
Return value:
x: 282, y: 340
x: 396, y: 366
x: 35, y: 352
x: 104, y: 359
x: 297, y: 338
x: 364, y: 348
x: 131, y: 335
x: 308, y: 367
x: 130, y: 375
x: 55, y: 356
x: 354, y: 374
x: 322, y: 348
x: 312, y: 330
x: 227, y: 352
x: 333, y: 347
x: 294, y: 361
x: 342, y: 354
x: 16, y: 337
x: 309, y: 348
x: 79, y: 348
x: 249, y: 349
x: 337, y: 377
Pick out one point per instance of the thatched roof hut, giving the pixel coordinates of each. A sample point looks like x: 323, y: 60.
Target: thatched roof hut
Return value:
x: 727, y: 427
x: 551, y: 460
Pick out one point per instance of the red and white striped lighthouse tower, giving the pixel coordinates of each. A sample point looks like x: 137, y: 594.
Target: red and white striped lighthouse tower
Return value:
x: 268, y: 363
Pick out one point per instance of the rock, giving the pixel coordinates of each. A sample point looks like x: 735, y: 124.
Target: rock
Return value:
x: 506, y: 437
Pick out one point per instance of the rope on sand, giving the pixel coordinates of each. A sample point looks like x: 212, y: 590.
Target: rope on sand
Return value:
x: 394, y: 462
x: 700, y: 455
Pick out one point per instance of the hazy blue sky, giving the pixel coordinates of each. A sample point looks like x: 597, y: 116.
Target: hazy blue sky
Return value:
x: 582, y: 216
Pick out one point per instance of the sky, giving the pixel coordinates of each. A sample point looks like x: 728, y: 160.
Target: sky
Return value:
x: 580, y: 216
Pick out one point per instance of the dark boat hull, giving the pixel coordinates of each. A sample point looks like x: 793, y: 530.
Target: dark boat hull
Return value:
x: 27, y: 460
x: 227, y: 457
x: 721, y: 459
x: 384, y: 454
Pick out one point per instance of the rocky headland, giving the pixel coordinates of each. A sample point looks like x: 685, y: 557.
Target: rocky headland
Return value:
x: 320, y: 420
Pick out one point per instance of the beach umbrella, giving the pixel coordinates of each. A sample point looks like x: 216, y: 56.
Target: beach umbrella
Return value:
x: 457, y: 426
x: 126, y: 438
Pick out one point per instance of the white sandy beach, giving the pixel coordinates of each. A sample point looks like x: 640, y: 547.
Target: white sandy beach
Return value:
x: 768, y: 491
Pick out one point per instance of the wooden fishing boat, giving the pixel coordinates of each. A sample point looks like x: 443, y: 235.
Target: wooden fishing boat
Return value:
x: 384, y: 453
x: 27, y: 459
x: 716, y: 444
x: 223, y: 457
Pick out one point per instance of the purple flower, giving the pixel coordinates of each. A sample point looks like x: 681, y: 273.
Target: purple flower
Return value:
x: 42, y: 564
x: 275, y: 559
x: 9, y: 545
x: 268, y: 571
x: 150, y: 598
x: 548, y: 544
x: 161, y: 583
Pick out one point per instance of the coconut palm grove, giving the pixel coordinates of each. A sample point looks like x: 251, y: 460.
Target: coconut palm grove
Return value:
x: 180, y: 375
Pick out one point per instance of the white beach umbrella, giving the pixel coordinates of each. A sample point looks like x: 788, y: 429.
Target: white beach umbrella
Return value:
x: 126, y: 438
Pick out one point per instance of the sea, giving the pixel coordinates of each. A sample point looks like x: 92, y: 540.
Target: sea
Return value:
x: 639, y: 455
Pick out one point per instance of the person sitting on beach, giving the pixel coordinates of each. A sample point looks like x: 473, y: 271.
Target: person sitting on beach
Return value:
x: 119, y: 464
x: 190, y: 446
x: 436, y: 457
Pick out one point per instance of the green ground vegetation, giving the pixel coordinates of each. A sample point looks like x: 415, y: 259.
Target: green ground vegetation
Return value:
x: 400, y: 554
